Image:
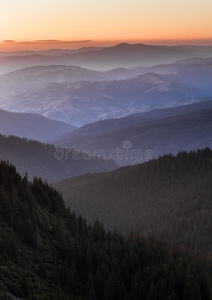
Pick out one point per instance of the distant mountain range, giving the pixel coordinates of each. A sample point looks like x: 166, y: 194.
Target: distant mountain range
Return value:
x: 185, y: 71
x: 79, y: 96
x: 161, y: 131
x: 43, y: 161
x: 122, y: 55
x: 53, y: 52
x: 83, y: 102
x: 38, y: 76
x: 169, y: 197
x: 31, y: 126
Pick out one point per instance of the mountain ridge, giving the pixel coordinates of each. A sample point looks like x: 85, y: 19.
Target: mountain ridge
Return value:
x: 104, y: 58
x: 47, y: 161
x: 161, y: 131
x: 84, y: 102
x: 31, y: 126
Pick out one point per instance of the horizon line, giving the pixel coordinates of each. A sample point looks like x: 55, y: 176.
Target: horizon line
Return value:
x: 39, y: 45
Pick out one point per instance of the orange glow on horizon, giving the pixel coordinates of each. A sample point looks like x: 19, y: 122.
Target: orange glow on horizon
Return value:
x: 39, y: 46
x: 105, y: 22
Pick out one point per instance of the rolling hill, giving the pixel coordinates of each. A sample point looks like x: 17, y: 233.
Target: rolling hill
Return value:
x: 133, y: 119
x: 83, y: 102
x: 38, y: 76
x: 193, y: 72
x: 78, y: 96
x: 161, y: 131
x: 31, y: 126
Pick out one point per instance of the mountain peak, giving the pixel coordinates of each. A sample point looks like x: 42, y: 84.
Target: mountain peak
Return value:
x: 126, y: 45
x: 122, y: 45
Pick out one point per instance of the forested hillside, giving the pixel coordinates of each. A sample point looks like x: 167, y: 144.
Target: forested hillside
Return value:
x: 42, y: 160
x: 170, y: 197
x: 46, y: 252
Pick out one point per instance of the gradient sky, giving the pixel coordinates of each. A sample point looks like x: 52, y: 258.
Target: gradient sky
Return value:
x: 101, y: 20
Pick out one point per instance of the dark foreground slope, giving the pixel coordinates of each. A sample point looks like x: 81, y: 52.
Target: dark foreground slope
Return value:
x: 47, y: 253
x: 38, y: 159
x: 170, y: 196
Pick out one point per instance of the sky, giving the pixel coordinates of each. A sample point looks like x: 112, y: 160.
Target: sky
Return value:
x: 71, y: 23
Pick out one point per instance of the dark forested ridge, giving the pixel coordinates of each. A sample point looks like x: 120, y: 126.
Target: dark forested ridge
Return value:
x: 170, y: 197
x: 46, y: 252
x: 38, y: 159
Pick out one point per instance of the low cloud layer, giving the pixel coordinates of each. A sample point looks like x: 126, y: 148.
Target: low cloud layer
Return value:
x: 47, y: 42
x: 9, y: 41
